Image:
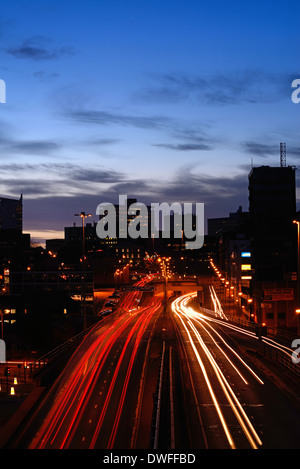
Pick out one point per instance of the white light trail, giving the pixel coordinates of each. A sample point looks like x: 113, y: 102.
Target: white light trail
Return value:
x: 179, y: 307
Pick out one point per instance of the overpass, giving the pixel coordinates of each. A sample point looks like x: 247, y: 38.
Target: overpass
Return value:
x: 177, y: 286
x: 161, y: 286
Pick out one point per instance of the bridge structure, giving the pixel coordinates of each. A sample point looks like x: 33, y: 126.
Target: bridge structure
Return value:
x: 177, y: 286
x: 174, y: 286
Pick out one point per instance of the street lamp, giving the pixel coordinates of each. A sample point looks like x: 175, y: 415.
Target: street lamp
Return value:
x: 298, y: 272
x: 163, y: 266
x: 298, y: 314
x: 83, y: 216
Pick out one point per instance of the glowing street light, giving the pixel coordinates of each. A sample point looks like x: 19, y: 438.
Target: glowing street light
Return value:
x: 298, y: 314
x: 83, y: 216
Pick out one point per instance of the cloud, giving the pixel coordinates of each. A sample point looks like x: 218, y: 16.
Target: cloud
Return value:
x: 236, y: 87
x: 31, y: 147
x: 60, y: 180
x: 105, y: 118
x: 221, y: 195
x: 92, y: 175
x: 264, y: 150
x: 184, y: 146
x: 37, y: 48
x: 260, y: 149
x: 190, y: 136
x: 55, y: 179
x: 103, y: 141
x: 190, y: 186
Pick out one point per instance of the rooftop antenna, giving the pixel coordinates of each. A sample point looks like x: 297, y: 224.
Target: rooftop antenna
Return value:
x: 282, y: 155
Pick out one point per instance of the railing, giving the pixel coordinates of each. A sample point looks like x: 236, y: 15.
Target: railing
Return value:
x: 52, y: 354
x: 280, y: 356
x: 282, y: 334
x: 274, y: 352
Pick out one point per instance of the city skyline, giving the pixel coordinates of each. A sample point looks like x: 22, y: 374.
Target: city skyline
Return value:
x: 165, y: 103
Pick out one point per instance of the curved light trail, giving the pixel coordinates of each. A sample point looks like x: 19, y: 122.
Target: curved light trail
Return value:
x: 189, y: 319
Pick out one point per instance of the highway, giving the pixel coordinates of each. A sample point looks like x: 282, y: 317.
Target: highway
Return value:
x: 235, y: 403
x: 90, y: 403
x: 149, y: 377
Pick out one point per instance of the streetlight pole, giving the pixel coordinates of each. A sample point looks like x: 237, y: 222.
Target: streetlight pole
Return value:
x: 83, y: 216
x: 164, y: 271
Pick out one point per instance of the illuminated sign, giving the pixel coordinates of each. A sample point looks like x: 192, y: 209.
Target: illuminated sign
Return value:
x: 279, y: 294
x: 246, y: 254
x: 246, y: 266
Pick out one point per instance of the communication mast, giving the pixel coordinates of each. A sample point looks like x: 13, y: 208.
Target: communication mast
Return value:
x: 282, y: 155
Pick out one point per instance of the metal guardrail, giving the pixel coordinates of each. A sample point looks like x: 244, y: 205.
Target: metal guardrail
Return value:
x: 270, y: 331
x: 272, y: 352
x: 278, y: 355
x: 281, y: 334
x: 52, y: 354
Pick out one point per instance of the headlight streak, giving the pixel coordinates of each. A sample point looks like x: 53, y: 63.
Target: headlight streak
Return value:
x: 280, y: 347
x: 180, y: 309
x: 236, y: 406
x: 221, y: 350
x: 217, y: 406
x: 217, y: 305
x: 272, y: 343
x: 201, y: 318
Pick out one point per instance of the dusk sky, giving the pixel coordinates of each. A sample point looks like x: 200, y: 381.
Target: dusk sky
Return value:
x: 165, y: 101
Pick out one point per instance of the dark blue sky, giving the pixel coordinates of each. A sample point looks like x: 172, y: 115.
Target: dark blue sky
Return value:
x: 167, y: 101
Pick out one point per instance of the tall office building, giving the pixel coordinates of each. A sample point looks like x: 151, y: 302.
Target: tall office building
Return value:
x: 272, y: 208
x: 11, y: 214
x: 272, y: 194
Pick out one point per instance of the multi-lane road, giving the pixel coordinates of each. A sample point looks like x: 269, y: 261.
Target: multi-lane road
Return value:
x: 236, y: 402
x: 98, y: 395
x: 147, y: 378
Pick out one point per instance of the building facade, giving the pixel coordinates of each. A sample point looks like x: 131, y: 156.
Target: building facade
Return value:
x: 11, y: 214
